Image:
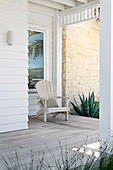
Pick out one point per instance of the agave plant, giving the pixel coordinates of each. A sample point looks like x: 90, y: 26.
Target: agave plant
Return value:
x: 88, y: 106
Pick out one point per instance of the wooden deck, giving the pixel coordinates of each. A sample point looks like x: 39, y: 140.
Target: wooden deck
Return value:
x: 78, y: 130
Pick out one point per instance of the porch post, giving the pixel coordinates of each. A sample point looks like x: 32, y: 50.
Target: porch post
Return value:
x: 57, y: 53
x: 106, y: 68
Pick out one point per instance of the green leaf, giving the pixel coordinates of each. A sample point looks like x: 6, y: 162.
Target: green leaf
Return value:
x: 76, y: 109
x: 88, y: 106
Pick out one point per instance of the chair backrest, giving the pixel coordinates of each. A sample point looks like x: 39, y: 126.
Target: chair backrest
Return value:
x: 46, y: 89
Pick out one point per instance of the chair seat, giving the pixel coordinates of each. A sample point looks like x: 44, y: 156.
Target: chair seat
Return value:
x: 55, y: 110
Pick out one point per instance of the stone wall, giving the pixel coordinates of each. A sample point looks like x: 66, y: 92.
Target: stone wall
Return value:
x: 81, y: 58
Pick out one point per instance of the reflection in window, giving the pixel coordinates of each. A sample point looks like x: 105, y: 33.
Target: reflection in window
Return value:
x: 36, y: 63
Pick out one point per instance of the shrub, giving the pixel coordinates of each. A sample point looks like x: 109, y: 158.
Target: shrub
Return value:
x: 62, y: 159
x: 88, y: 106
x: 67, y: 160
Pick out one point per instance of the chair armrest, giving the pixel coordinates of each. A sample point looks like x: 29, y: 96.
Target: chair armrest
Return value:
x: 62, y: 97
x: 66, y: 98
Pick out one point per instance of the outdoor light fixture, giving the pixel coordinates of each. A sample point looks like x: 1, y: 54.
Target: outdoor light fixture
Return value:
x: 10, y: 38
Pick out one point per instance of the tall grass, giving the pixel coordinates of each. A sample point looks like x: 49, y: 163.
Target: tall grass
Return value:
x: 64, y: 159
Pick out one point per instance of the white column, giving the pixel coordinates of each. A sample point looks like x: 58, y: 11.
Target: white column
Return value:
x: 57, y: 54
x: 106, y: 68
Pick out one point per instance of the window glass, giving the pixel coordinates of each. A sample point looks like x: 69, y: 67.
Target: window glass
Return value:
x: 36, y: 59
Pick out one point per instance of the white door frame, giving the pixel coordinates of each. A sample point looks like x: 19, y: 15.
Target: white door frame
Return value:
x: 46, y: 47
x: 57, y: 54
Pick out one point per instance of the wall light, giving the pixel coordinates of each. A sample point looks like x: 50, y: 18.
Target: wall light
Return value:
x: 10, y: 38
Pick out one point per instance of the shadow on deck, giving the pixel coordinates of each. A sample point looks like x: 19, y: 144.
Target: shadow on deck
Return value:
x: 75, y: 132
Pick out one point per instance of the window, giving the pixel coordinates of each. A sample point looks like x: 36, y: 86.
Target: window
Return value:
x: 36, y: 57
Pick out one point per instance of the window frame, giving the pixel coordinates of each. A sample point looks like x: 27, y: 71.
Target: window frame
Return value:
x: 44, y: 51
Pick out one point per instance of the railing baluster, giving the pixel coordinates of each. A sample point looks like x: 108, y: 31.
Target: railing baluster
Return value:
x: 68, y: 19
x: 83, y: 15
x: 65, y: 21
x: 86, y: 14
x: 93, y: 12
x: 89, y: 13
x: 97, y: 12
x: 61, y: 21
x: 78, y: 16
x: 71, y: 19
x: 75, y: 18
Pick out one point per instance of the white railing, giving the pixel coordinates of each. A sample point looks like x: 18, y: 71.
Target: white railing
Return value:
x: 80, y: 13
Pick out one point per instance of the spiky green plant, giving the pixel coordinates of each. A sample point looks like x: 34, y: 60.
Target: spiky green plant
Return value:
x: 88, y: 106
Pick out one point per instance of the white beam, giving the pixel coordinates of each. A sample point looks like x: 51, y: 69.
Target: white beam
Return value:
x: 57, y: 54
x: 49, y: 4
x: 79, y: 8
x: 106, y: 68
x: 70, y: 3
x: 82, y: 1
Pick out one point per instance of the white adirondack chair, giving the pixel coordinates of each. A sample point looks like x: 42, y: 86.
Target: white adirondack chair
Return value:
x: 46, y: 91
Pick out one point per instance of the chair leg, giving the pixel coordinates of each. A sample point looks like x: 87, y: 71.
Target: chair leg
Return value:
x: 66, y: 116
x: 45, y: 117
x: 40, y: 112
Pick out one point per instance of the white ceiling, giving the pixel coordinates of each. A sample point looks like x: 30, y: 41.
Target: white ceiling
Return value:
x: 60, y: 4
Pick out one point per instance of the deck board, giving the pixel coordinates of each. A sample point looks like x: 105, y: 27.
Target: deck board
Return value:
x: 74, y: 132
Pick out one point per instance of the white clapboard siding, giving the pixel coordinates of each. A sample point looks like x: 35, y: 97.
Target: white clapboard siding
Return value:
x: 17, y: 3
x: 13, y: 111
x: 10, y: 15
x: 15, y: 48
x: 13, y: 87
x: 14, y: 71
x: 11, y: 119
x: 13, y: 126
x: 13, y: 55
x: 33, y: 112
x: 13, y: 65
x: 21, y: 33
x: 39, y: 17
x: 33, y: 106
x: 33, y: 95
x: 22, y: 9
x: 33, y: 101
x: 13, y: 95
x: 13, y: 79
x: 16, y: 39
x: 41, y: 9
x: 13, y: 103
x: 13, y: 23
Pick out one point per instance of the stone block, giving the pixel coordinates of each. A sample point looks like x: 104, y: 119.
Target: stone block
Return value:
x: 81, y: 58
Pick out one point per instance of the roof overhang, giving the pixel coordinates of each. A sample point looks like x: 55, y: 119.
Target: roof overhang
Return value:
x: 61, y: 5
